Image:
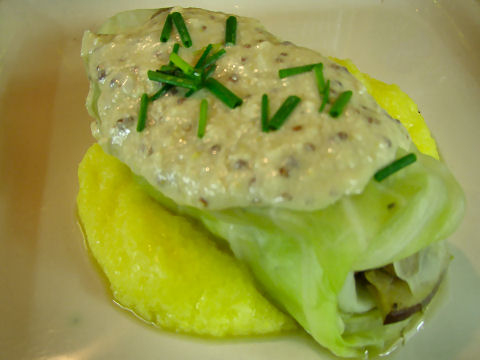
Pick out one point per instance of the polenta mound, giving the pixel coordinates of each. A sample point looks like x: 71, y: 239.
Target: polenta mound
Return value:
x: 399, y: 106
x: 170, y: 271
x: 160, y: 265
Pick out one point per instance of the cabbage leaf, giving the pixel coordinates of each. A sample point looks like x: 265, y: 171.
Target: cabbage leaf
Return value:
x: 302, y: 259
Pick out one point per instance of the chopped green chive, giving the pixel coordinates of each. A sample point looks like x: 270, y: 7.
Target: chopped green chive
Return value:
x: 182, y: 29
x: 339, y: 105
x: 203, y: 57
x: 173, y: 80
x: 283, y: 73
x: 202, y: 121
x: 395, y: 166
x: 265, y: 113
x: 175, y: 71
x: 318, y: 69
x: 191, y: 92
x: 209, y: 71
x: 181, y: 64
x: 168, y: 69
x: 211, y: 59
x: 217, y: 46
x: 206, y: 73
x: 283, y: 112
x: 231, y: 31
x: 175, y: 49
x: 325, y: 95
x: 162, y: 91
x: 167, y: 29
x: 142, y: 113
x: 323, y: 88
x: 222, y: 93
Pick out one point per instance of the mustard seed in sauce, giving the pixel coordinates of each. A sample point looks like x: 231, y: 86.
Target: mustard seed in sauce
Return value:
x: 125, y: 123
x: 114, y: 83
x: 187, y: 127
x: 101, y: 73
x: 388, y: 142
x: 240, y: 164
x: 283, y: 171
x: 215, y: 149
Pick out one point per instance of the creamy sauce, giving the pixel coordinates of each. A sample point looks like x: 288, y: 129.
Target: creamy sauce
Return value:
x: 309, y: 163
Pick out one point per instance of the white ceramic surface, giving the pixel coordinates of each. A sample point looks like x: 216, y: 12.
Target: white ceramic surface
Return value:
x: 53, y: 303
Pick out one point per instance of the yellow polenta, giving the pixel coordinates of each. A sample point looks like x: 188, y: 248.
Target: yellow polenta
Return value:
x: 400, y: 106
x: 170, y: 271
x: 162, y: 266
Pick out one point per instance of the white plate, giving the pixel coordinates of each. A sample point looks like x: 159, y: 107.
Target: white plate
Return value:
x: 54, y: 304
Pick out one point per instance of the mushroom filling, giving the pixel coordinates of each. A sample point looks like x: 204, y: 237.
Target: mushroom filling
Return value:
x: 398, y: 290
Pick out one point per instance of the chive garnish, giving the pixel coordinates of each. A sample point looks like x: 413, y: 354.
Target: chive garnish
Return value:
x: 395, y: 166
x: 175, y: 48
x: 162, y: 91
x: 182, y: 29
x: 211, y: 59
x: 167, y: 29
x: 206, y: 73
x: 283, y: 73
x: 168, y: 69
x: 339, y: 105
x: 209, y: 71
x: 283, y: 112
x: 325, y: 95
x: 202, y: 121
x: 231, y: 31
x: 265, y: 113
x: 203, y: 57
x: 173, y: 80
x: 142, y: 113
x: 181, y: 64
x: 191, y: 92
x: 323, y: 88
x: 318, y: 69
x: 222, y: 93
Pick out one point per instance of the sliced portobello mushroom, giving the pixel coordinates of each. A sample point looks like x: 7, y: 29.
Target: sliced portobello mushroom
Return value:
x: 394, y: 298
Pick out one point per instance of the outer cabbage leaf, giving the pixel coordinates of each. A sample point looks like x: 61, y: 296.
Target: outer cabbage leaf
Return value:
x: 127, y: 20
x: 302, y: 259
x: 422, y: 270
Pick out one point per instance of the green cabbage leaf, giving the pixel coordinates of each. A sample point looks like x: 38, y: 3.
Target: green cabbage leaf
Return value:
x: 304, y: 260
